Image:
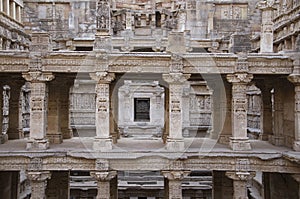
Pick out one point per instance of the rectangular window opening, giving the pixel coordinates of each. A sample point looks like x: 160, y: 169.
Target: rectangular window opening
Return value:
x: 141, y: 109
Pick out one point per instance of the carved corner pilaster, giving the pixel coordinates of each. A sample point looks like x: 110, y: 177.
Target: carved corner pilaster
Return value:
x: 103, y: 175
x: 38, y: 76
x: 103, y: 77
x: 175, y: 175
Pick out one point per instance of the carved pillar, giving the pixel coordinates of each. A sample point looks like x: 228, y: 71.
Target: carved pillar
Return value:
x: 176, y: 82
x: 297, y: 179
x: 266, y: 37
x: 54, y: 133
x: 38, y: 106
x: 38, y: 182
x: 173, y: 181
x: 240, y: 180
x: 266, y: 129
x: 5, y: 114
x: 103, y: 139
x: 296, y: 80
x: 106, y: 184
x: 277, y: 138
x: 239, y: 139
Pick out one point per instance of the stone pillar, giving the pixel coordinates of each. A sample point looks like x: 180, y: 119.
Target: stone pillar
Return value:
x: 176, y: 82
x: 240, y: 180
x: 38, y: 106
x: 5, y: 114
x: 38, y: 182
x: 7, y: 11
x: 239, y: 140
x: 277, y: 138
x: 173, y: 181
x: 266, y: 129
x: 14, y: 131
x: 297, y: 179
x: 103, y: 140
x: 296, y: 80
x: 13, y: 10
x: 106, y: 184
x: 54, y: 133
x: 266, y: 37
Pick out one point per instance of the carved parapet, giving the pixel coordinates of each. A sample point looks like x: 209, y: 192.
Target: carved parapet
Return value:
x: 175, y: 175
x: 38, y: 76
x: 103, y: 176
x: 102, y: 77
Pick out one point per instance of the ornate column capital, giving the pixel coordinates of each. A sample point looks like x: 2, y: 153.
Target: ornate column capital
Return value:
x: 294, y: 78
x: 243, y: 78
x: 176, y: 78
x: 103, y: 77
x: 38, y: 175
x: 240, y: 175
x: 38, y: 76
x: 103, y: 175
x: 175, y: 175
x: 266, y: 5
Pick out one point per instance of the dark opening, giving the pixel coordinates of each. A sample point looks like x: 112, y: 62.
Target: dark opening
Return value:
x: 158, y: 19
x: 84, y: 48
x: 141, y: 109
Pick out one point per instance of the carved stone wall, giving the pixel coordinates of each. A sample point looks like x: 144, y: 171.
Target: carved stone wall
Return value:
x: 82, y: 108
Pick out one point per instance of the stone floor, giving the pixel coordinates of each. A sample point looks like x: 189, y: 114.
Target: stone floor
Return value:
x: 193, y: 145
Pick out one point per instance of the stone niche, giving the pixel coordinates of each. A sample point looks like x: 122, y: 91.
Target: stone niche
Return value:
x: 141, y: 109
x: 197, y: 109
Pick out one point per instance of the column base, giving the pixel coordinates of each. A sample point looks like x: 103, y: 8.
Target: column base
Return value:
x: 296, y: 146
x: 276, y: 140
x: 102, y: 144
x: 3, y: 138
x: 240, y: 144
x: 55, y: 138
x: 34, y: 144
x: 174, y: 144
